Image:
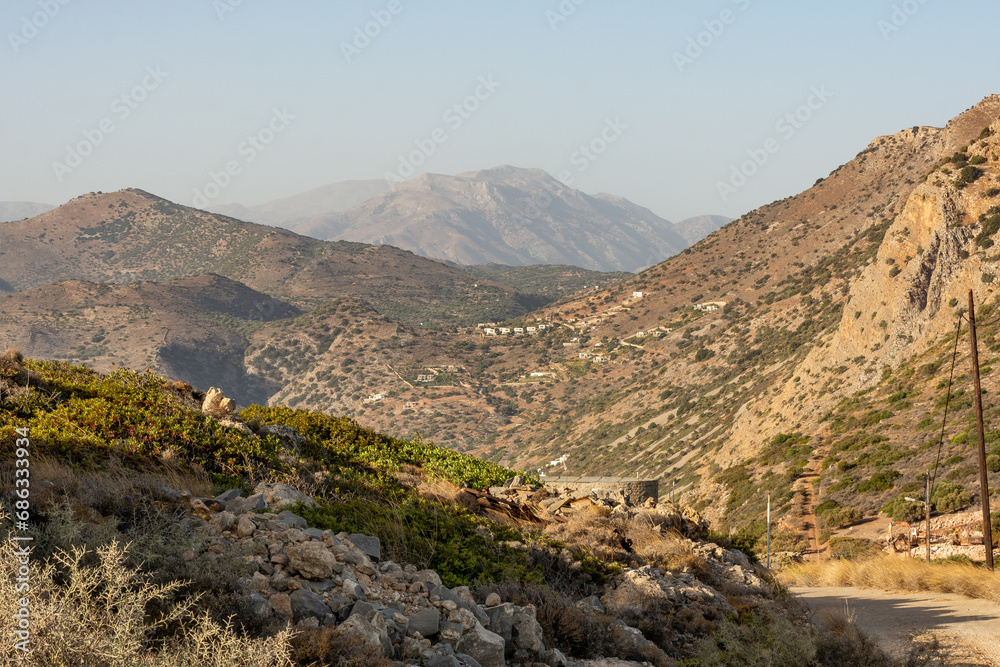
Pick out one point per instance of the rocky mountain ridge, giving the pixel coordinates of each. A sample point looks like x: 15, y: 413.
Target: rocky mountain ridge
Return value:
x: 506, y: 215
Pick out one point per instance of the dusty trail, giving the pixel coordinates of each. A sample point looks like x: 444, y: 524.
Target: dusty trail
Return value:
x: 967, y: 629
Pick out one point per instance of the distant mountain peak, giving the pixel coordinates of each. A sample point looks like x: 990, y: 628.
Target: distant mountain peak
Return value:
x: 506, y: 215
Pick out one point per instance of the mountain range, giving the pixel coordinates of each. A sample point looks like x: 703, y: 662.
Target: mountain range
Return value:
x: 505, y: 215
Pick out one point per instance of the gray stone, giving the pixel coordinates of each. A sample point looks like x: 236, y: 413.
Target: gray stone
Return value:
x: 426, y: 622
x: 223, y: 521
x: 427, y: 577
x: 245, y: 527
x: 313, y: 560
x: 502, y: 621
x: 226, y: 496
x: 314, y: 533
x: 305, y: 603
x: 370, y: 545
x: 527, y: 631
x: 484, y: 646
x: 363, y: 608
x: 450, y: 633
x: 492, y: 600
x: 254, y: 503
x: 358, y: 629
x: 290, y: 520
x: 517, y: 481
x: 467, y: 660
x: 259, y: 605
x: 431, y: 659
x: 320, y: 586
x: 352, y: 590
x: 280, y: 496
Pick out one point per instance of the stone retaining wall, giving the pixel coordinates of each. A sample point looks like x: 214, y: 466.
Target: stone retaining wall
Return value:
x: 636, y: 491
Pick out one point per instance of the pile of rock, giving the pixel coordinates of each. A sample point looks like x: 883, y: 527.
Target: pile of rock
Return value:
x: 545, y: 504
x: 311, y: 578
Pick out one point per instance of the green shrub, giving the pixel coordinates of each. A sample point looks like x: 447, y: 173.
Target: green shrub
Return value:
x: 948, y: 496
x: 901, y: 509
x: 880, y: 481
x: 993, y: 463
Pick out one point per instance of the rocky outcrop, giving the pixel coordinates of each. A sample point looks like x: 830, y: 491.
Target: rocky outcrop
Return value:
x: 311, y: 578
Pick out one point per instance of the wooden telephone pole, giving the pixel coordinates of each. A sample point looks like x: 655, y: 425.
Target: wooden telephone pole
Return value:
x: 984, y: 488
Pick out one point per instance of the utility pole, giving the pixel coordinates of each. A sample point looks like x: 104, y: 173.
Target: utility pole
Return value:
x: 927, y: 509
x: 769, y: 530
x: 984, y: 488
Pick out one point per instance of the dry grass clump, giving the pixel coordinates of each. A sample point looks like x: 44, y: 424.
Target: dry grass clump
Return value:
x: 594, y: 530
x: 668, y: 550
x: 100, y: 615
x: 323, y: 646
x: 897, y: 574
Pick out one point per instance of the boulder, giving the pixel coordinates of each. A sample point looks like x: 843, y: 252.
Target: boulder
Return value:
x: 486, y: 647
x: 223, y: 521
x: 280, y: 496
x: 426, y: 622
x: 371, y: 546
x: 245, y: 527
x: 305, y: 603
x: 217, y: 405
x: 313, y: 560
x: 238, y: 506
x: 282, y: 605
x: 289, y: 520
x: 358, y: 629
x: 427, y: 577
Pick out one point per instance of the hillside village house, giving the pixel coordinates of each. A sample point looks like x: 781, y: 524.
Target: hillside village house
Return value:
x: 374, y: 398
x: 489, y: 332
x: 637, y: 295
x: 425, y: 377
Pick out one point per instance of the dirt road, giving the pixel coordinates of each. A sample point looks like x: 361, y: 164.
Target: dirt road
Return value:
x: 968, y: 630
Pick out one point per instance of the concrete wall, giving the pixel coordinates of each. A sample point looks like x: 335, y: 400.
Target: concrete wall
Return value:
x: 636, y: 491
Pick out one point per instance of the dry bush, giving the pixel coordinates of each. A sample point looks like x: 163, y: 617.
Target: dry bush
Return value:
x: 897, y: 574
x: 89, y: 512
x: 437, y: 490
x: 99, y: 616
x: 594, y: 530
x: 324, y: 647
x: 668, y: 551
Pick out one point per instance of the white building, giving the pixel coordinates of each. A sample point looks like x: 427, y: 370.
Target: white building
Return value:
x: 637, y: 295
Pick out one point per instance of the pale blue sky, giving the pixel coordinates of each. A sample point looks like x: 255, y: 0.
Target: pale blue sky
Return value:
x: 225, y: 77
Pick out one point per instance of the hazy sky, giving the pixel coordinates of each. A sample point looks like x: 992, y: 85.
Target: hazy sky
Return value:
x: 666, y: 97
